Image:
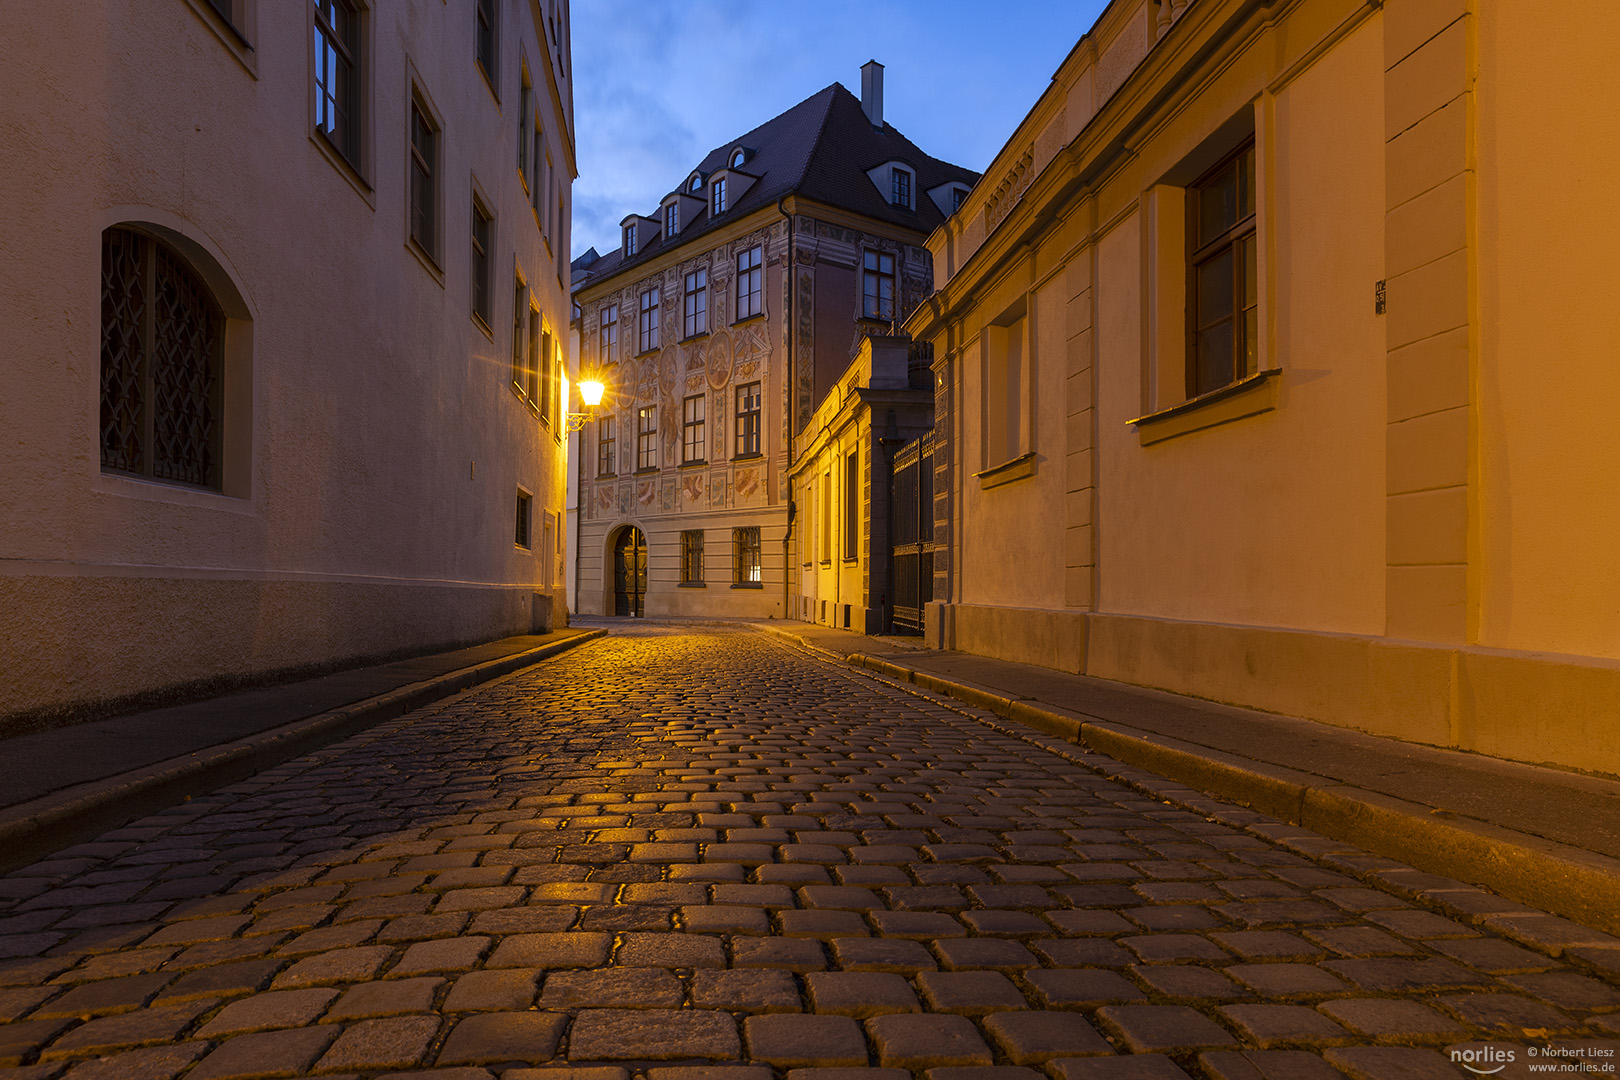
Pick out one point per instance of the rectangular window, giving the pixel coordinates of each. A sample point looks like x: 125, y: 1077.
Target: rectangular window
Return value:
x: 606, y: 447
x: 852, y: 506
x: 481, y: 228
x: 900, y: 180
x: 548, y: 550
x: 647, y: 437
x: 531, y: 367
x: 958, y: 196
x: 1222, y: 300
x: 748, y: 283
x: 630, y: 239
x: 525, y: 506
x: 825, y: 539
x: 424, y: 139
x: 608, y: 343
x: 696, y: 304
x: 520, y: 304
x: 720, y: 195
x: 525, y: 125
x: 486, y: 39
x: 877, y: 286
x: 337, y: 76
x: 537, y: 175
x: 748, y: 419
x: 672, y: 219
x: 692, y: 557
x: 692, y: 412
x: 745, y: 569
x: 1005, y: 389
x: 649, y: 320
x: 543, y: 367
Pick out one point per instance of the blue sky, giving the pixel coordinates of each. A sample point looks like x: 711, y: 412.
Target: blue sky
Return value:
x: 658, y: 84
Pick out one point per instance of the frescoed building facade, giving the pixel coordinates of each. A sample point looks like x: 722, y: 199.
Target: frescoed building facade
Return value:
x: 725, y: 316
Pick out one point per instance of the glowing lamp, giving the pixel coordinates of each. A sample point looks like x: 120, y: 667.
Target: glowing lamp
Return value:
x: 590, y: 392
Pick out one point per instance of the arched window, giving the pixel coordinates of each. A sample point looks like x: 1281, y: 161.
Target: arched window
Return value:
x: 738, y: 157
x: 162, y: 352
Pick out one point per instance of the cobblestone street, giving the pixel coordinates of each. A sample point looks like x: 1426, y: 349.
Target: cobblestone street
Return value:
x: 673, y: 849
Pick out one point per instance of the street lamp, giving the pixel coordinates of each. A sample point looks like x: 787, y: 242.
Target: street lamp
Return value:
x: 590, y: 392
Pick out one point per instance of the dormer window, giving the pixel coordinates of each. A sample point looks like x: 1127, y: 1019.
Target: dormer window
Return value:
x: 720, y: 195
x: 630, y: 239
x: 900, y: 187
x: 958, y: 197
x: 672, y: 219
x: 738, y: 156
x: 695, y: 184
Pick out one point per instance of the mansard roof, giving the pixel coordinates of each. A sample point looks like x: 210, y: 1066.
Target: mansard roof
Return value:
x: 819, y: 149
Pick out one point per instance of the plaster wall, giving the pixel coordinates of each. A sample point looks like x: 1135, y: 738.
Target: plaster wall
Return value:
x: 1547, y: 379
x: 374, y: 448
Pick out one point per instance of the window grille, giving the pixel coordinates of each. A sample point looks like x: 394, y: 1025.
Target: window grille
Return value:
x: 162, y: 336
x: 745, y: 555
x: 692, y: 557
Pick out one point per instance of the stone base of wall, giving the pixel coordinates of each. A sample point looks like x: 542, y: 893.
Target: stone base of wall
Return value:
x: 1535, y: 707
x: 84, y: 647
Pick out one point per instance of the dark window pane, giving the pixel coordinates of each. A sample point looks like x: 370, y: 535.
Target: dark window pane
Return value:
x: 1214, y: 296
x: 1218, y: 204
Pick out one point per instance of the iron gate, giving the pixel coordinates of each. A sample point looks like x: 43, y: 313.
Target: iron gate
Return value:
x: 911, y: 531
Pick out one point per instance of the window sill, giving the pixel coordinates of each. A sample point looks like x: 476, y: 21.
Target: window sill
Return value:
x: 489, y: 81
x: 754, y: 456
x: 690, y: 585
x: 645, y: 472
x: 749, y: 585
x: 425, y: 257
x: 346, y: 168
x: 654, y: 351
x: 607, y: 476
x: 701, y: 334
x: 700, y: 463
x: 1019, y: 468
x: 233, y: 37
x: 1249, y: 396
x: 756, y: 317
x: 483, y: 327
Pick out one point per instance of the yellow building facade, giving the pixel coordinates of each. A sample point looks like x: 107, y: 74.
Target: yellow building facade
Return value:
x: 1273, y: 368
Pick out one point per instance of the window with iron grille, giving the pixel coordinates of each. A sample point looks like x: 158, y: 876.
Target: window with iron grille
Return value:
x: 525, y: 508
x: 608, y: 343
x: 647, y: 437
x: 424, y: 144
x: 482, y: 226
x: 1223, y: 298
x: 900, y: 180
x: 162, y: 341
x: 606, y: 446
x: 520, y: 304
x: 877, y: 285
x: 692, y: 557
x: 720, y: 195
x: 649, y: 319
x: 692, y: 417
x: 672, y: 219
x: 748, y: 419
x: 748, y: 282
x: 486, y: 38
x: 337, y: 76
x: 745, y: 568
x: 696, y: 304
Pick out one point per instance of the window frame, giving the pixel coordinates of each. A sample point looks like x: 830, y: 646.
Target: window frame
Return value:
x: 629, y: 242
x: 1240, y: 239
x: 747, y: 562
x: 346, y: 133
x: 695, y: 304
x: 482, y: 270
x: 852, y: 506
x: 647, y: 438
x: 607, y: 341
x: 717, y: 196
x: 691, y: 558
x: 526, y: 121
x: 648, y: 330
x: 694, y: 424
x: 672, y: 219
x: 748, y: 420
x: 901, y: 185
x: 607, y: 446
x: 873, y: 262
x: 750, y: 273
x: 520, y: 303
x: 423, y: 189
x: 523, y: 530
x: 486, y: 29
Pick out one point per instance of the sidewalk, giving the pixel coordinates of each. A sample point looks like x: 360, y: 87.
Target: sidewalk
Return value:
x: 72, y: 782
x: 1537, y: 835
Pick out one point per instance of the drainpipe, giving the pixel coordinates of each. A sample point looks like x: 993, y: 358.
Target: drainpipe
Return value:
x: 792, y: 285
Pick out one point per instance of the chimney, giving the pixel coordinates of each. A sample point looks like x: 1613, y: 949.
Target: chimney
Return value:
x: 872, y: 92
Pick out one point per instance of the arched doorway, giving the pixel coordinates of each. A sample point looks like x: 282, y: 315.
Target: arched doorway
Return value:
x: 630, y: 573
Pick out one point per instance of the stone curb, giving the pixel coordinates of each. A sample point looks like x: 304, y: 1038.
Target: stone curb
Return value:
x: 35, y: 828
x: 1580, y: 885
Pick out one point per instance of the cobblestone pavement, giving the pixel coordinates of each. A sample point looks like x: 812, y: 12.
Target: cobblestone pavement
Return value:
x: 672, y: 850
